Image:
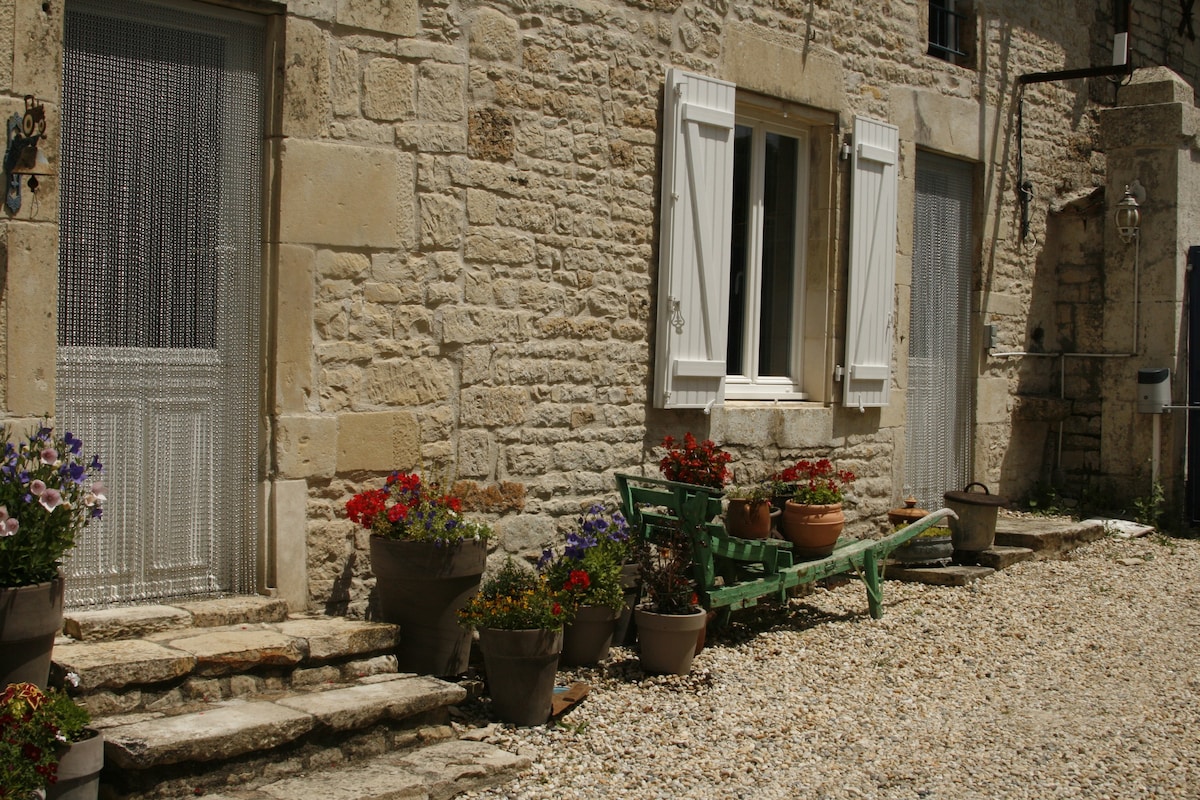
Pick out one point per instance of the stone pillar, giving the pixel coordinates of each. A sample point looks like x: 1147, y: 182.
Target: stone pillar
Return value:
x: 1149, y: 141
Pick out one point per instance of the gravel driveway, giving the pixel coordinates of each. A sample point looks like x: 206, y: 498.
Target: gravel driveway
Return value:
x: 1051, y: 679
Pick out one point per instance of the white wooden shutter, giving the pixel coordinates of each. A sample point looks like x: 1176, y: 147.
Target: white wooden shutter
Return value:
x: 693, y: 281
x: 870, y: 291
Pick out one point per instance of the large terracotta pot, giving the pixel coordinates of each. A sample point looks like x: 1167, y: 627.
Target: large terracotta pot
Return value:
x: 30, y: 618
x: 668, y: 642
x: 79, y: 765
x: 587, y: 640
x: 812, y: 530
x: 748, y: 519
x: 520, y: 667
x: 421, y: 588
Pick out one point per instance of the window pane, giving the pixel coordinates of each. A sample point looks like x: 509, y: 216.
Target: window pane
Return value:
x: 742, y: 144
x: 778, y: 255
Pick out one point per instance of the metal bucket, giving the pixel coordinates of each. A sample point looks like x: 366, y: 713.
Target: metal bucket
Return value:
x: 975, y: 529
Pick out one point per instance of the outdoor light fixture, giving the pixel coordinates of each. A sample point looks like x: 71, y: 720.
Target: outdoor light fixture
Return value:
x: 1128, y: 217
x: 23, y: 158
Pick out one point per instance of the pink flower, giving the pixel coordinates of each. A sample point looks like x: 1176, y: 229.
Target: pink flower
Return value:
x: 96, y: 495
x: 49, y: 455
x: 36, y: 487
x: 10, y: 527
x: 50, y: 499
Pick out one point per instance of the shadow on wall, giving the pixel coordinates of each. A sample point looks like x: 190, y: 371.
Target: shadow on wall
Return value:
x: 1055, y: 439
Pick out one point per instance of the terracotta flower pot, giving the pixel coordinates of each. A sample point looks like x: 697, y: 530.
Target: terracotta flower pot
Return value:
x: 748, y: 519
x: 587, y: 640
x: 668, y: 642
x: 421, y: 587
x: 520, y: 667
x: 812, y: 530
x: 30, y: 618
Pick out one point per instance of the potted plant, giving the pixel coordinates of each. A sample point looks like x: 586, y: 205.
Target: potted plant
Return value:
x: 698, y: 463
x: 427, y: 560
x: 588, y: 573
x: 48, y: 494
x: 748, y: 510
x: 670, y: 619
x: 45, y: 744
x: 813, y: 518
x: 520, y: 619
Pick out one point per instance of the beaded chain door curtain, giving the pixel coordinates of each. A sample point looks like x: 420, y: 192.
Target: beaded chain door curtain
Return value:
x: 158, y: 311
x: 940, y: 400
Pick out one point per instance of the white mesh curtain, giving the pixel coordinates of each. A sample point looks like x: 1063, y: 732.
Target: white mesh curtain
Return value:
x: 940, y: 415
x: 159, y: 269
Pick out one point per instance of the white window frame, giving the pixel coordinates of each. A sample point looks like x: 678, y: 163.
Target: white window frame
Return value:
x: 751, y: 386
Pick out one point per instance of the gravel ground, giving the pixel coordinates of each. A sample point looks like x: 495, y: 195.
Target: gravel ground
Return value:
x: 1051, y: 679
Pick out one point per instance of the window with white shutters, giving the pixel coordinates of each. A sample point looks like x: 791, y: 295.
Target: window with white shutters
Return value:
x: 733, y: 277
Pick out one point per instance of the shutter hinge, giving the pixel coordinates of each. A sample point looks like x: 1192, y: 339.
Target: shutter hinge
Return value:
x: 839, y: 372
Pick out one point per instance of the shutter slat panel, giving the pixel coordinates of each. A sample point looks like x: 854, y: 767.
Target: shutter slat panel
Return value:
x: 696, y: 229
x: 871, y: 285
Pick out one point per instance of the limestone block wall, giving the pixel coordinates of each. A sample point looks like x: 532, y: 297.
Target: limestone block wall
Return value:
x: 30, y: 41
x: 468, y: 221
x: 462, y: 218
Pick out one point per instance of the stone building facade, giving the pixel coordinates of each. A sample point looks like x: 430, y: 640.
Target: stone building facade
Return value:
x: 462, y: 225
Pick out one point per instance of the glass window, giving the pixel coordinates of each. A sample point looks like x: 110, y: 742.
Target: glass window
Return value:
x: 951, y: 28
x: 766, y: 258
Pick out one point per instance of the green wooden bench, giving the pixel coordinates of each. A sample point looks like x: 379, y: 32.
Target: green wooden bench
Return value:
x: 732, y: 573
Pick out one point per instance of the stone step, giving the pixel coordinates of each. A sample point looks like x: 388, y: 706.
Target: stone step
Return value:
x: 1048, y: 537
x: 249, y: 742
x: 228, y: 728
x: 111, y: 624
x: 949, y: 575
x: 180, y: 665
x: 436, y: 772
x: 236, y: 697
x: 1002, y: 557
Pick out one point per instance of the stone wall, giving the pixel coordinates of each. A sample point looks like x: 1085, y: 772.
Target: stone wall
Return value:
x: 463, y: 245
x: 491, y: 309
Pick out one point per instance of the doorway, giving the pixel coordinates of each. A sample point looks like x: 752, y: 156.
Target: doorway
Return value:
x: 160, y: 259
x: 940, y: 390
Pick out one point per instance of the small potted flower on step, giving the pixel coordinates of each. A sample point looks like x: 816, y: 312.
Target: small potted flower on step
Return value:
x: 45, y: 745
x: 50, y: 491
x: 428, y: 560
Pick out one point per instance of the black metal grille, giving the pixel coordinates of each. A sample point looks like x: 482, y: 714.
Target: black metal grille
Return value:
x: 945, y: 29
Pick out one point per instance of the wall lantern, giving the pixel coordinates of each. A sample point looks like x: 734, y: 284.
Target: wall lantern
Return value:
x: 1128, y: 217
x: 23, y: 158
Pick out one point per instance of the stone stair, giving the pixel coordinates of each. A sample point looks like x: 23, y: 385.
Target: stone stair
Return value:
x: 236, y: 698
x: 1019, y: 537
